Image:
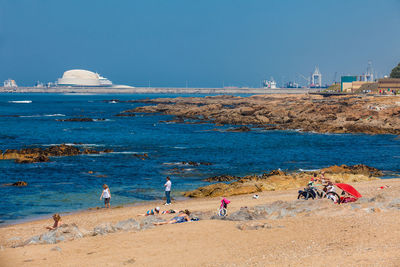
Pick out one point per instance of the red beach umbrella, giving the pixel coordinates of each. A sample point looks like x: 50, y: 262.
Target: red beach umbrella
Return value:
x: 349, y: 189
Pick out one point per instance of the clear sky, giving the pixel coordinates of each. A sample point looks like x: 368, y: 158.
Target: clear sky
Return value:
x: 207, y: 43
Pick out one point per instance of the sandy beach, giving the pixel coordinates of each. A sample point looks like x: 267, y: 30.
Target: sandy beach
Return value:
x: 365, y: 233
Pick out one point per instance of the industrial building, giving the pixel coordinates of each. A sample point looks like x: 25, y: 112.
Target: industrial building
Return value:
x: 10, y: 84
x: 389, y: 84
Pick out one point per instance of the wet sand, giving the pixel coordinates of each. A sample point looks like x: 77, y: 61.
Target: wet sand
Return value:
x: 341, y: 236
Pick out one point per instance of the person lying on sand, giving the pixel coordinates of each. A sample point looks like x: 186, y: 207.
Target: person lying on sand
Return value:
x: 57, y: 222
x: 154, y: 211
x: 182, y: 217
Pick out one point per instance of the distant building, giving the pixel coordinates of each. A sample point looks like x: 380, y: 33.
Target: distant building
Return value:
x: 81, y: 78
x: 269, y: 83
x: 10, y: 83
x: 389, y: 84
x: 316, y: 78
x: 368, y: 76
x: 346, y: 83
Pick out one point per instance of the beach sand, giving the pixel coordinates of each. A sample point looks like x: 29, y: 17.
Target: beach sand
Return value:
x: 341, y: 236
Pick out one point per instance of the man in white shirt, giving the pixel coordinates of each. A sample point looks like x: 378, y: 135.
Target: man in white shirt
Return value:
x: 167, y: 186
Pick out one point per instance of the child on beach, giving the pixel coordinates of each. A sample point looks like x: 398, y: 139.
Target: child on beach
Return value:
x: 154, y: 211
x: 106, y: 195
x: 57, y: 222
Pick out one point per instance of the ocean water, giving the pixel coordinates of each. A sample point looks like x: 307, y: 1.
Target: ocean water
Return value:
x: 65, y: 184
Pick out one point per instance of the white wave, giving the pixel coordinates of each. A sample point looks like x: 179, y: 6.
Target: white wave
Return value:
x: 309, y: 170
x: 20, y: 101
x: 54, y: 115
x: 180, y: 147
x: 172, y: 163
x: 72, y: 144
x: 128, y: 152
x: 92, y: 155
x: 44, y: 115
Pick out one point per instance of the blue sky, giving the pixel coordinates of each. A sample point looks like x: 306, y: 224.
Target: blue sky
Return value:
x: 206, y: 43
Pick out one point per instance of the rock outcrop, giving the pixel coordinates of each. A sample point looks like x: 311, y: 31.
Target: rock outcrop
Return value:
x: 37, y: 154
x: 20, y: 183
x: 310, y: 113
x: 279, y: 180
x: 141, y: 156
x: 65, y: 232
x: 222, y: 178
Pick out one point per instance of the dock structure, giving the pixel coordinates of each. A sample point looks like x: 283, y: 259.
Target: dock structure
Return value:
x: 156, y: 90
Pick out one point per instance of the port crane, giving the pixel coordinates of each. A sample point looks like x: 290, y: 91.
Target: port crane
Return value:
x: 308, y: 80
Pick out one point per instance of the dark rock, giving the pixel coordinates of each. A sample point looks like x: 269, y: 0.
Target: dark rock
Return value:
x: 20, y: 183
x: 112, y: 101
x: 63, y: 233
x: 244, y: 214
x: 148, y: 221
x: 273, y: 172
x: 221, y: 178
x: 394, y: 204
x: 32, y: 155
x: 127, y: 225
x: 103, y: 229
x: 176, y: 170
x: 141, y: 156
x: 240, y: 129
x: 125, y: 115
x: 35, y: 159
x: 354, y: 169
x: 62, y: 150
x: 87, y: 151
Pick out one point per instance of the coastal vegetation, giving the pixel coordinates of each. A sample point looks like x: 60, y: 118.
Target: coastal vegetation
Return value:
x: 395, y: 72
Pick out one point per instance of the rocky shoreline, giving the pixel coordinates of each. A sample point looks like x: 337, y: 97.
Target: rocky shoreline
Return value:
x: 39, y: 154
x: 279, y: 180
x: 308, y: 113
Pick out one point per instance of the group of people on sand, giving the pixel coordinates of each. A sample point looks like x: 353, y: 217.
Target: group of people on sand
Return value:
x: 322, y: 180
x: 106, y: 195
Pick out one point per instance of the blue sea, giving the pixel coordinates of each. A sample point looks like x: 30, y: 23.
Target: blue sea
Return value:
x: 66, y: 184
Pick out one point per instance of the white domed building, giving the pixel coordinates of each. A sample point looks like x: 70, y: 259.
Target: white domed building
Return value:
x: 82, y: 78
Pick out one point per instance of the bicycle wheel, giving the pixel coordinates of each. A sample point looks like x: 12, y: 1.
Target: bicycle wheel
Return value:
x: 301, y: 196
x: 222, y: 212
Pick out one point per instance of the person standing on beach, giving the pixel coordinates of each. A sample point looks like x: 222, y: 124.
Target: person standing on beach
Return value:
x: 167, y: 186
x: 106, y: 195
